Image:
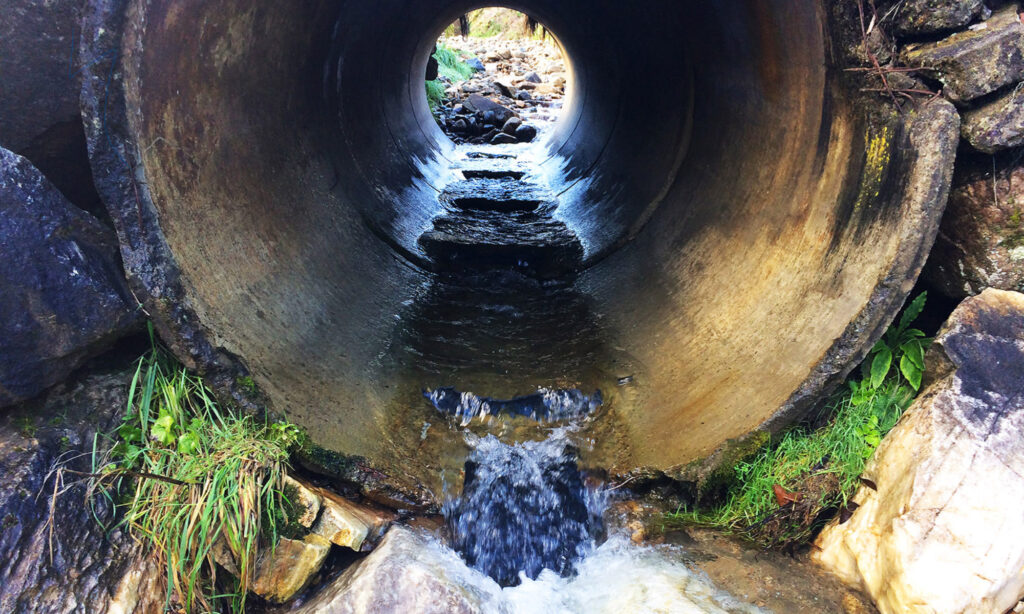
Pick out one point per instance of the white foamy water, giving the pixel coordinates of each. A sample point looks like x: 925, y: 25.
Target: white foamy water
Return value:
x: 526, y: 508
x: 618, y: 577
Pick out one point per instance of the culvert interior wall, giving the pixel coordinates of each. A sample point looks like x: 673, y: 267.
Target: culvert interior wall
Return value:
x: 749, y: 229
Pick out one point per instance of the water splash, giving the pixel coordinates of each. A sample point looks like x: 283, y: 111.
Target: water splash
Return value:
x: 618, y: 577
x: 546, y: 405
x: 524, y: 508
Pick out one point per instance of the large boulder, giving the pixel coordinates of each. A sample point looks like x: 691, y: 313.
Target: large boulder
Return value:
x: 62, y: 293
x: 66, y: 562
x: 41, y: 81
x: 981, y: 240
x: 975, y: 62
x: 38, y: 61
x: 941, y: 531
x: 407, y: 572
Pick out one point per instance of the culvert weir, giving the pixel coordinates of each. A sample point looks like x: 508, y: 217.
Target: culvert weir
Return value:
x: 737, y: 222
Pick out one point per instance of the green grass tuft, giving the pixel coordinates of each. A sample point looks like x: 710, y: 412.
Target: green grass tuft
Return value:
x: 451, y: 65
x: 198, y: 475
x: 435, y: 93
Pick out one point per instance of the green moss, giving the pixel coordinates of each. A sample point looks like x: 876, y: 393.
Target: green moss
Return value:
x: 326, y: 461
x: 246, y: 383
x: 1013, y: 241
x: 1015, y: 218
x: 9, y: 521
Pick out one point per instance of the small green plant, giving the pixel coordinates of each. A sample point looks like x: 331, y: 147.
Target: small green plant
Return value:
x: 26, y: 426
x: 780, y: 496
x: 901, y: 345
x: 196, y: 476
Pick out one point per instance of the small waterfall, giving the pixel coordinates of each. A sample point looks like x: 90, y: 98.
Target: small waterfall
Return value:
x: 527, y: 530
x: 524, y: 508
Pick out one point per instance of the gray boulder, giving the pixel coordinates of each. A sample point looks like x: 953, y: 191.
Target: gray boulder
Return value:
x: 976, y: 62
x: 915, y: 17
x: 407, y: 572
x: 942, y: 531
x: 62, y: 293
x: 997, y: 125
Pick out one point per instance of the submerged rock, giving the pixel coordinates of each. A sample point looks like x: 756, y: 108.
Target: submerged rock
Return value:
x: 976, y: 62
x: 62, y: 293
x: 942, y: 532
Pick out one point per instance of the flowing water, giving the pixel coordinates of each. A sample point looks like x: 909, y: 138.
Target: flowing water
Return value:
x: 501, y: 313
x: 527, y: 534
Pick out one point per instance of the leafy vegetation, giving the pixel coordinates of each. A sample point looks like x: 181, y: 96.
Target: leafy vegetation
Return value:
x: 193, y: 478
x: 783, y: 494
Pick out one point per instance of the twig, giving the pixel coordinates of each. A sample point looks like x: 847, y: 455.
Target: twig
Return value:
x: 134, y: 474
x: 871, y: 56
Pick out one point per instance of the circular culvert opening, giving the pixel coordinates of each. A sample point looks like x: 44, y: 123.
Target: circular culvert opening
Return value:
x: 497, y: 75
x: 747, y: 222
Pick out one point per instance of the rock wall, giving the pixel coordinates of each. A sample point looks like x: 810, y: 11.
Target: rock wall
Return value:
x: 973, y: 55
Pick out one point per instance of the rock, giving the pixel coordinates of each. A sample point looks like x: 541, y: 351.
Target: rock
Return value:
x: 482, y: 106
x: 502, y: 139
x: 976, y: 62
x: 981, y: 239
x: 997, y: 125
x: 62, y: 293
x: 511, y: 125
x: 304, y: 499
x: 475, y: 63
x: 943, y: 531
x: 41, y: 86
x: 348, y: 524
x: 505, y: 89
x: 407, y: 572
x: 526, y: 133
x: 431, y: 72
x: 915, y: 17
x: 79, y: 567
x: 532, y: 77
x: 281, y: 574
x: 523, y: 95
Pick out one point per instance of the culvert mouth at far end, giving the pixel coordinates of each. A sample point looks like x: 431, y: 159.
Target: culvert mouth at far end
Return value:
x: 738, y: 222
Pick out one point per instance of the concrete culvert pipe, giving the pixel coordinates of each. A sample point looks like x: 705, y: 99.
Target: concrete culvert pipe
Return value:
x: 750, y: 222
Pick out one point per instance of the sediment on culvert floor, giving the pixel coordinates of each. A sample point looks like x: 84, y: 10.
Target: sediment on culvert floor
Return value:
x: 747, y: 227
